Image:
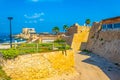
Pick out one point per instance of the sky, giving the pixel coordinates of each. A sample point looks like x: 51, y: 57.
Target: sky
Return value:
x: 43, y: 15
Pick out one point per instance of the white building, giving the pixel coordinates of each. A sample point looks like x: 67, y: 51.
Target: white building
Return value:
x: 28, y: 31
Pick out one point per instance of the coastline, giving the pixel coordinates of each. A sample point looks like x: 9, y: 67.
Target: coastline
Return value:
x: 6, y: 45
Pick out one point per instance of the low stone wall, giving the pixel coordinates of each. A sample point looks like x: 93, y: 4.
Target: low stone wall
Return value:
x: 104, y: 43
x: 40, y: 66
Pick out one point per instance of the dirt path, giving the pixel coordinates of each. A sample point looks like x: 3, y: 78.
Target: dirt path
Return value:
x: 93, y: 67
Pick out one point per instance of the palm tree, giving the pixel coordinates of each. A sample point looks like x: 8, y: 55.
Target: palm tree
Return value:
x: 55, y: 30
x: 87, y: 22
x: 65, y: 28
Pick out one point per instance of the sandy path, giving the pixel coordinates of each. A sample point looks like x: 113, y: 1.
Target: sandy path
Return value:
x: 93, y: 67
x: 4, y: 46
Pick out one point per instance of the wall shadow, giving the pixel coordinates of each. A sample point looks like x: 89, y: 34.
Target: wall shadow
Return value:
x: 83, y: 46
x: 111, y: 70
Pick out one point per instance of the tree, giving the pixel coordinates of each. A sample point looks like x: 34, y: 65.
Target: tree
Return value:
x: 65, y: 28
x: 56, y: 29
x: 87, y: 22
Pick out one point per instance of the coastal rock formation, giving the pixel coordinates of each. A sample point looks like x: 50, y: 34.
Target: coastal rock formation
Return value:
x: 104, y: 43
x: 41, y: 66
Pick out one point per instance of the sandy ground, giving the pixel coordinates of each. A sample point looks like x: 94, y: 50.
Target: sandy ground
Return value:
x: 4, y: 46
x: 94, y: 67
x: 91, y: 67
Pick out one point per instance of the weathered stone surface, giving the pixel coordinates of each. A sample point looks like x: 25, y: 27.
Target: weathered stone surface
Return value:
x: 77, y: 37
x: 40, y: 66
x: 104, y: 43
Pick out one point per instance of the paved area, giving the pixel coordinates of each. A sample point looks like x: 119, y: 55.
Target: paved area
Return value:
x: 93, y: 67
x: 4, y: 46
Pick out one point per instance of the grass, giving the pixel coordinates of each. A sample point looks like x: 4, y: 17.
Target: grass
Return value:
x: 33, y: 48
x: 88, y: 52
x: 29, y: 49
x: 3, y: 75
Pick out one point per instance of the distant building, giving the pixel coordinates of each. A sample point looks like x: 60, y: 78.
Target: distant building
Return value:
x: 111, y: 23
x: 28, y: 31
x: 47, y: 38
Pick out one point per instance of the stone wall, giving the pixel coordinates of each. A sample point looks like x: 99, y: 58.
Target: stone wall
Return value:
x: 77, y: 37
x: 76, y: 28
x: 104, y: 43
x: 40, y: 66
x: 48, y: 37
x: 79, y: 40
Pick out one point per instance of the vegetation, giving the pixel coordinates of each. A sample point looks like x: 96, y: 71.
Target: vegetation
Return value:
x: 65, y: 28
x: 10, y: 53
x: 34, y: 48
x: 61, y: 44
x: 56, y: 30
x: 92, y: 37
x: 86, y: 51
x: 101, y: 39
x: 87, y: 22
x: 3, y: 75
x: 59, y: 41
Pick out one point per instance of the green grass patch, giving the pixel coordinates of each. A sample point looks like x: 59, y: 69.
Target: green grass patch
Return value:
x: 10, y: 53
x: 3, y: 75
x: 33, y: 48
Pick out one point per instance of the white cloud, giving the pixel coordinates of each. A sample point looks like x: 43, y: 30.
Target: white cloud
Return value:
x: 35, y: 16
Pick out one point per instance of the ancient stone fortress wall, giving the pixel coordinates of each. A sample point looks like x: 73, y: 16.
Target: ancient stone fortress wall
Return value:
x: 77, y: 36
x: 105, y: 41
x: 40, y: 66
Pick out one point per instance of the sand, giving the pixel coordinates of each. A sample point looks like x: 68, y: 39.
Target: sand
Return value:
x: 94, y: 67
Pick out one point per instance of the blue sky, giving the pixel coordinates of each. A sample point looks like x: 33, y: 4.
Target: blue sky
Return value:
x: 43, y: 15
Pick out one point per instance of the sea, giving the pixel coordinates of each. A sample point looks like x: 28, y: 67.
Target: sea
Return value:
x: 5, y: 38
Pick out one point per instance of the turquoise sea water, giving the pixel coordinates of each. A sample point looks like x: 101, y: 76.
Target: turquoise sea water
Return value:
x: 5, y: 38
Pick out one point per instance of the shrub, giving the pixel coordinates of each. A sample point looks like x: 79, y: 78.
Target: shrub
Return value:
x: 92, y: 37
x: 59, y: 41
x: 86, y: 51
x: 45, y: 45
x: 101, y: 39
x: 10, y: 54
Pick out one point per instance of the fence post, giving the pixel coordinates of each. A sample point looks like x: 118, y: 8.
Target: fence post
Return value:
x: 37, y: 47
x: 53, y: 46
x: 15, y: 44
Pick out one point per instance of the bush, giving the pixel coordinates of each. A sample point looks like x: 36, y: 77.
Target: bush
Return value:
x: 101, y: 39
x: 86, y: 51
x: 92, y: 37
x: 45, y: 45
x: 10, y: 54
x: 59, y: 41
